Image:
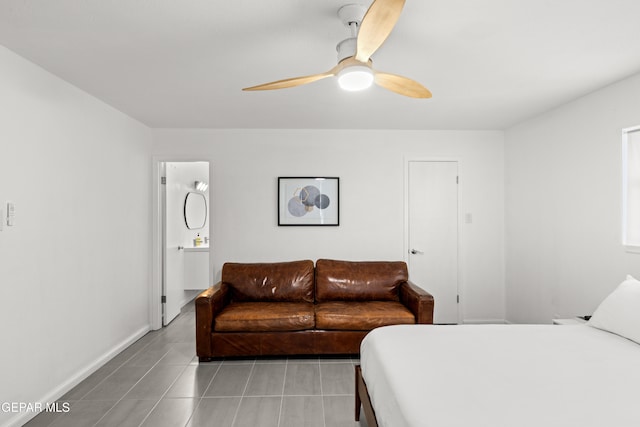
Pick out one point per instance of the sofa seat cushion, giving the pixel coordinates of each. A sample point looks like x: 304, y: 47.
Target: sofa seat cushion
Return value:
x: 361, y: 315
x: 265, y: 316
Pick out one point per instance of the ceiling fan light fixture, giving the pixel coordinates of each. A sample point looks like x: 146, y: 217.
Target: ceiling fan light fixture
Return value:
x: 369, y: 30
x: 355, y: 78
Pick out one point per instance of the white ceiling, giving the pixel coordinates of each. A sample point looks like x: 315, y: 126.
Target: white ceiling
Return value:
x: 169, y: 63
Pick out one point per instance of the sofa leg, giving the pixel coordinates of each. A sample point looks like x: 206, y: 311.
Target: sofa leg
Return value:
x: 205, y: 359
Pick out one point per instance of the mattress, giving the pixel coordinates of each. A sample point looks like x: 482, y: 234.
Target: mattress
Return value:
x: 501, y: 376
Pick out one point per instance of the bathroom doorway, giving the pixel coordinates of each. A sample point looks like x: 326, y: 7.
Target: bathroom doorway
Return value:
x: 182, y: 237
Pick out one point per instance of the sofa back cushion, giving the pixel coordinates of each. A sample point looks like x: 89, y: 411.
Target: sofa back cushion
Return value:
x: 278, y: 281
x: 359, y: 280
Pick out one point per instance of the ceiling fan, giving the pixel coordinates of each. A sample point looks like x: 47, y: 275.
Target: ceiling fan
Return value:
x: 369, y: 29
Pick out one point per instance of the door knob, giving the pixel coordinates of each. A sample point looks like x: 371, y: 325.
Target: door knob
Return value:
x: 415, y: 251
x: 180, y: 248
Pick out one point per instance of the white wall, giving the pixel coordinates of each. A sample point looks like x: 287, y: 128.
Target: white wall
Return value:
x: 563, y: 206
x: 75, y: 268
x: 245, y: 165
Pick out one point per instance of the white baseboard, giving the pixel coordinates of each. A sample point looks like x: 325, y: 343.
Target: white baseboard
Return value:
x: 55, y: 394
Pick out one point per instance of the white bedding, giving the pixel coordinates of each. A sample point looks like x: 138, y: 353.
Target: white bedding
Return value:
x: 501, y: 376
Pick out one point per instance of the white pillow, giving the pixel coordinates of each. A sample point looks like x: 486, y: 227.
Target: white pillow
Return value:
x: 620, y: 311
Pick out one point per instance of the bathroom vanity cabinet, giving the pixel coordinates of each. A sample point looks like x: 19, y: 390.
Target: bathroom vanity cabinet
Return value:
x: 196, y: 268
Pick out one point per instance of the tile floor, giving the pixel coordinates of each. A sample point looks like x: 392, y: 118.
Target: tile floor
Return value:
x: 158, y: 382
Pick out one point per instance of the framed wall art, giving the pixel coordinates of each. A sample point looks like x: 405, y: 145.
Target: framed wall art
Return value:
x: 308, y: 201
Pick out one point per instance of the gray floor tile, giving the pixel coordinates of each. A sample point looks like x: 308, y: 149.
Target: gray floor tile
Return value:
x: 135, y: 348
x: 179, y: 354
x: 337, y: 378
x: 171, y: 413
x: 230, y: 380
x: 127, y: 413
x: 302, y: 379
x: 79, y: 391
x: 179, y: 333
x: 193, y: 381
x: 218, y: 411
x: 302, y: 411
x: 159, y: 382
x: 150, y: 356
x: 258, y: 411
x: 118, y: 384
x: 83, y: 413
x: 108, y: 368
x: 185, y: 318
x: 266, y: 380
x: 339, y: 412
x: 155, y: 383
x: 43, y: 419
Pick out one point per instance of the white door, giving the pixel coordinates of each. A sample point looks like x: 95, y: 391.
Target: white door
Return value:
x: 174, y: 238
x: 433, y: 233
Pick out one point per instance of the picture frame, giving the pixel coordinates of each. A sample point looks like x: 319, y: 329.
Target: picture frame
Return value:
x: 308, y: 201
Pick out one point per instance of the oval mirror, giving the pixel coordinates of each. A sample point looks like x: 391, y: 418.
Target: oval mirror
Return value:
x: 195, y: 210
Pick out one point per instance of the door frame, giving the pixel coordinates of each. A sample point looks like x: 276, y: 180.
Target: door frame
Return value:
x: 408, y: 159
x: 155, y: 294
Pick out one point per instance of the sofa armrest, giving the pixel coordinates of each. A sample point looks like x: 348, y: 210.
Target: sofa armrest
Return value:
x: 418, y: 301
x: 208, y: 304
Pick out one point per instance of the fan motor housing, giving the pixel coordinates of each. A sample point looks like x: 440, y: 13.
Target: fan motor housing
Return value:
x: 351, y: 13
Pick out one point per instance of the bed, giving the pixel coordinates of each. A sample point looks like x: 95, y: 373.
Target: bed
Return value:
x: 506, y: 375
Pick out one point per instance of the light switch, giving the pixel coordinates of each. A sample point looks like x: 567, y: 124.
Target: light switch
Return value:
x: 468, y: 218
x: 11, y: 213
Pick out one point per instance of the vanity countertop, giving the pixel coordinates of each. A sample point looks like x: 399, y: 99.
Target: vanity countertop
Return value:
x: 201, y: 248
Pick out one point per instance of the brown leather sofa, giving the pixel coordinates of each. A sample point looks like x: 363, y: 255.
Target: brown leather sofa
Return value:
x: 292, y: 308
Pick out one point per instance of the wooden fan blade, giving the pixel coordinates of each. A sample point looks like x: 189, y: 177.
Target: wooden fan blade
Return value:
x: 376, y: 26
x: 402, y: 85
x: 295, y: 81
